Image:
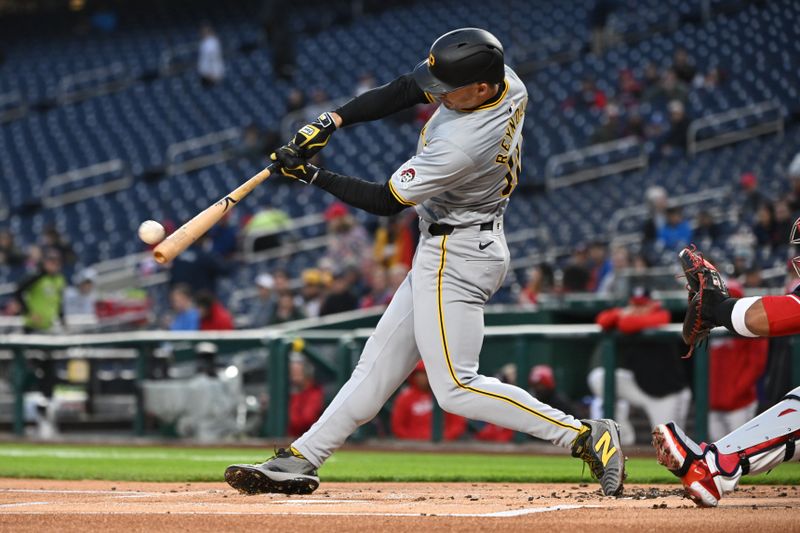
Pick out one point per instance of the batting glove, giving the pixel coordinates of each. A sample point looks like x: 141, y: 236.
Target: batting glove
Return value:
x: 313, y: 137
x: 292, y: 165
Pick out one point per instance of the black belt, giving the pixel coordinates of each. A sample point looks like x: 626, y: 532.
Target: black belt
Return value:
x: 447, y: 229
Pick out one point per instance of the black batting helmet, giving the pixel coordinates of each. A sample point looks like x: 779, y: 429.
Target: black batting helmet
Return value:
x: 461, y: 57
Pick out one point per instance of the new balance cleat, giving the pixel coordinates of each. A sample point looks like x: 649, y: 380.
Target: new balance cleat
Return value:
x: 286, y: 472
x: 598, y: 446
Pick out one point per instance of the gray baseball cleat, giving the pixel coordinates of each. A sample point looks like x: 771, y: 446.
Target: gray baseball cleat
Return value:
x: 598, y: 446
x: 286, y: 472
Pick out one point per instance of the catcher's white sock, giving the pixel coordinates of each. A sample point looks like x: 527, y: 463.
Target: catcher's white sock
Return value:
x: 737, y: 315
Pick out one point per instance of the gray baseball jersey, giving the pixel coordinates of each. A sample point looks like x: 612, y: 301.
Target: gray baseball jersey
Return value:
x: 467, y: 164
x: 466, y: 168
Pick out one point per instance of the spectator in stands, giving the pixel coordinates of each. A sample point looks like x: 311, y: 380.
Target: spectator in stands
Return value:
x: 630, y: 90
x: 651, y: 78
x: 783, y: 219
x: 287, y: 309
x: 669, y: 88
x: 576, y: 274
x: 794, y: 175
x: 649, y: 372
x: 185, y: 317
x: 265, y: 226
x: 735, y: 366
x: 683, y: 66
x: 52, y: 238
x: 366, y: 81
x: 295, y: 101
x: 612, y: 126
x: 742, y: 260
x: 213, y: 315
x: 395, y: 240
x: 752, y: 197
x: 312, y: 293
x: 210, y: 63
x: 490, y: 432
x: 348, y: 242
x: 10, y: 254
x: 199, y: 267
x: 540, y: 279
x: 412, y: 411
x: 224, y: 237
x: 677, y: 232
x: 263, y: 309
x: 340, y: 296
x: 676, y: 138
x: 764, y: 226
x: 80, y: 300
x: 635, y: 125
x: 612, y: 283
x: 397, y: 274
x: 587, y: 97
x: 306, y: 398
x: 379, y: 293
x: 599, y: 263
x: 542, y: 382
x: 753, y: 277
x: 602, y: 35
x: 707, y: 233
x: 41, y: 295
x: 709, y: 81
x: 656, y: 198
x: 257, y: 143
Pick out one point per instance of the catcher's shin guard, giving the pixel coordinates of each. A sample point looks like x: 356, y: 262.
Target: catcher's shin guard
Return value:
x: 708, y: 472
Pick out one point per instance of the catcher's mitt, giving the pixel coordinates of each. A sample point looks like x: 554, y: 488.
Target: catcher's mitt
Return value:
x: 706, y: 289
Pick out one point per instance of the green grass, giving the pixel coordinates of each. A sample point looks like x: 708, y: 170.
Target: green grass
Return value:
x: 194, y: 464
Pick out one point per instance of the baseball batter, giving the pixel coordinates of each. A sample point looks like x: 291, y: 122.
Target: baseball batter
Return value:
x: 466, y: 167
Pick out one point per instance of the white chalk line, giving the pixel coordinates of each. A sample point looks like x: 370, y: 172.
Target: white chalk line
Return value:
x: 497, y: 514
x: 20, y: 504
x: 112, y: 454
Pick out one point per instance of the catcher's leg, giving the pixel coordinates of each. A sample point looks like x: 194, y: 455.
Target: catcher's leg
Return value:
x: 709, y: 471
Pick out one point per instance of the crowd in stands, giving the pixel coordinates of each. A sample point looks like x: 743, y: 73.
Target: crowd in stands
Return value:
x: 649, y: 102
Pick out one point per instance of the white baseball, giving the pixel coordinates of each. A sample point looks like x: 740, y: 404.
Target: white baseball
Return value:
x: 151, y: 232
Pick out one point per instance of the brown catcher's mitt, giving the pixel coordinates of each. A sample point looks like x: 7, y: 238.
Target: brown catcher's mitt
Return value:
x: 706, y: 289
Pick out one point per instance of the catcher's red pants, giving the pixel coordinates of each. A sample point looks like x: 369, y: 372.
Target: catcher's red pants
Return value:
x: 783, y: 314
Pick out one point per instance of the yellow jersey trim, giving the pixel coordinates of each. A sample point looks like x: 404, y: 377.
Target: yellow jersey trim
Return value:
x: 398, y: 197
x: 445, y: 349
x: 495, y: 103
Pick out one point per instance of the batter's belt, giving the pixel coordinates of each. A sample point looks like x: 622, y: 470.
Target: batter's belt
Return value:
x: 447, y: 229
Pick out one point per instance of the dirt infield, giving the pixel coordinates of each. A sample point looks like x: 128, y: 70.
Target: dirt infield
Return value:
x: 37, y: 505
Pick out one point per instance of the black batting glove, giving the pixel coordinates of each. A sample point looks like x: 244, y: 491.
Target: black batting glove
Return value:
x: 313, y: 137
x: 292, y: 165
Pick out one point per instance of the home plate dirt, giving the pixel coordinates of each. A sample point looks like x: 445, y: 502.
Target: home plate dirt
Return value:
x: 40, y: 505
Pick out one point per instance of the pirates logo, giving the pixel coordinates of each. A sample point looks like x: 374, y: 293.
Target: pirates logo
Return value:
x: 431, y: 60
x: 407, y: 175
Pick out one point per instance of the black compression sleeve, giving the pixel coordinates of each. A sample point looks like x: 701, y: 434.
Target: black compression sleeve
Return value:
x: 371, y: 197
x: 723, y: 313
x: 382, y: 101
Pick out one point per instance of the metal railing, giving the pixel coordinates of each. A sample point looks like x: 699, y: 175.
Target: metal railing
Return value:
x: 594, y: 162
x: 747, y: 122
x: 642, y: 210
x: 92, y: 82
x: 220, y: 150
x: 177, y: 59
x: 12, y: 106
x: 51, y: 198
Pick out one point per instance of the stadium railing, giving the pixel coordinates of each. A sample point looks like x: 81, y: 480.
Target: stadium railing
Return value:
x: 735, y: 125
x: 82, y: 183
x: 595, y: 161
x: 519, y: 341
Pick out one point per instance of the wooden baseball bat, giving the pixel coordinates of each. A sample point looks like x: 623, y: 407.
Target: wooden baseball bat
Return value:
x: 184, y: 236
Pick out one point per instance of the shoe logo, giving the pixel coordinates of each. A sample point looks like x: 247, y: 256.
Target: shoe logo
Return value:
x: 485, y: 245
x: 608, y: 449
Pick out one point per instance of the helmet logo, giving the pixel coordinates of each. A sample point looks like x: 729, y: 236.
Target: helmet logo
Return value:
x: 431, y: 60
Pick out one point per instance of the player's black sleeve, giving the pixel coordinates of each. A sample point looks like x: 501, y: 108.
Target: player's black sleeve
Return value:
x: 371, y: 197
x: 382, y: 101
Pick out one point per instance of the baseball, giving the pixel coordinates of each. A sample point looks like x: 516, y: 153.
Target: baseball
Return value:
x: 151, y: 232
